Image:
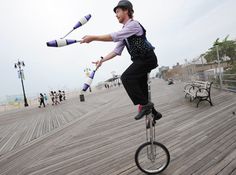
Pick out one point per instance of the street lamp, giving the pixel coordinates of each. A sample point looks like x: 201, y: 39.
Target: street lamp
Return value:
x: 19, y: 65
x: 219, y: 68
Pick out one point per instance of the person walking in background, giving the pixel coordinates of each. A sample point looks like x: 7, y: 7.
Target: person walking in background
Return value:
x: 64, y: 95
x: 60, y: 95
x: 46, y: 98
x: 52, y: 97
x: 56, y: 96
x: 41, y: 100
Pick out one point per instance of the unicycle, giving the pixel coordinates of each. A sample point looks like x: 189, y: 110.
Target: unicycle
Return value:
x: 151, y: 157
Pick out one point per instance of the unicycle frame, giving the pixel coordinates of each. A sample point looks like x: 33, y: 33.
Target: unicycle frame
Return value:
x: 150, y: 137
x: 150, y: 133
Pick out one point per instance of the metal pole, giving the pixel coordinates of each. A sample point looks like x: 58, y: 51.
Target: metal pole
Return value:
x: 218, y: 58
x: 22, y: 83
x: 18, y: 65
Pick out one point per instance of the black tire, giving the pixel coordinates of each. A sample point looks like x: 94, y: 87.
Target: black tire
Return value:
x: 163, y: 152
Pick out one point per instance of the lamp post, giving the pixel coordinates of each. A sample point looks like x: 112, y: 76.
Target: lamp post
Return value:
x: 19, y: 66
x: 219, y: 68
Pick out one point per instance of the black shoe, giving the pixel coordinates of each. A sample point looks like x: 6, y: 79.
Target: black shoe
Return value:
x: 156, y: 115
x: 146, y: 109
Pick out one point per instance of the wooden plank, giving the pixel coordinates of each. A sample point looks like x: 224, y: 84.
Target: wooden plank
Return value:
x: 100, y: 135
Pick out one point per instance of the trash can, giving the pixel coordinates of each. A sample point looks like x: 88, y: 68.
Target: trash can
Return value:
x: 81, y: 97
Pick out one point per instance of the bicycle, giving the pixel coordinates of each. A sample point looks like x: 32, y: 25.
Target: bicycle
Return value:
x: 151, y: 157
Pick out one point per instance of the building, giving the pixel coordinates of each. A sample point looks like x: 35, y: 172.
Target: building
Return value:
x: 194, y: 70
x: 162, y: 72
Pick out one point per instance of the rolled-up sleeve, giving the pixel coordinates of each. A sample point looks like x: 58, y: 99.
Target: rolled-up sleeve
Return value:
x: 119, y: 47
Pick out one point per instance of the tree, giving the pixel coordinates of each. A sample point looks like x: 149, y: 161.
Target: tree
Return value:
x: 226, y: 48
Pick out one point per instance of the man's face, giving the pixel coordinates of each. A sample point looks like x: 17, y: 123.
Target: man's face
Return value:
x: 121, y: 15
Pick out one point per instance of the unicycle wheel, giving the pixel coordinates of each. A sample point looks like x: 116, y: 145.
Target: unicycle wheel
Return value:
x: 152, y: 158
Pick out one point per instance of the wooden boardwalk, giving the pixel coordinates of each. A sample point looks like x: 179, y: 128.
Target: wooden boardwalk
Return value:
x: 100, y: 136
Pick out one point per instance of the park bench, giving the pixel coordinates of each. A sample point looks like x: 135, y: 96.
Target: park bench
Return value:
x: 198, y: 90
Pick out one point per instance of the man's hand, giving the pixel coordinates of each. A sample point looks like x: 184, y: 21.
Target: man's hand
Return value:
x: 98, y: 63
x: 87, y: 39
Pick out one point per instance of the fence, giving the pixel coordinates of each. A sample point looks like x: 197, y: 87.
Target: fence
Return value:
x: 223, y: 81
x: 13, y: 105
x: 10, y: 102
x: 228, y: 81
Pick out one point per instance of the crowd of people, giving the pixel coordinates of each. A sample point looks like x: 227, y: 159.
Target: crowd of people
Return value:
x: 56, y: 98
x: 109, y: 85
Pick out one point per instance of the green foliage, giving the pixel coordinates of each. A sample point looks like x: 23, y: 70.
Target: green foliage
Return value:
x: 232, y: 69
x: 226, y: 48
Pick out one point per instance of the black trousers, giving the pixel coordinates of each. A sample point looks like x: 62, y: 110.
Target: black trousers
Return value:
x: 42, y: 102
x: 134, y: 78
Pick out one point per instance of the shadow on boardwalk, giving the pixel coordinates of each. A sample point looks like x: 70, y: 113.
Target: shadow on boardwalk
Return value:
x: 100, y: 135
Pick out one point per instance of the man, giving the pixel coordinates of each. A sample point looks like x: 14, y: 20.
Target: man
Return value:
x: 60, y: 95
x: 133, y: 36
x: 41, y: 100
x: 64, y: 95
x: 52, y: 97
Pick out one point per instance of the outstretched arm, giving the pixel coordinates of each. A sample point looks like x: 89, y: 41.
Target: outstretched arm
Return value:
x: 90, y: 38
x: 106, y: 58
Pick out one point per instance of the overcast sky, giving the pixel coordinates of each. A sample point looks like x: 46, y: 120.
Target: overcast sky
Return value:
x: 179, y: 29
